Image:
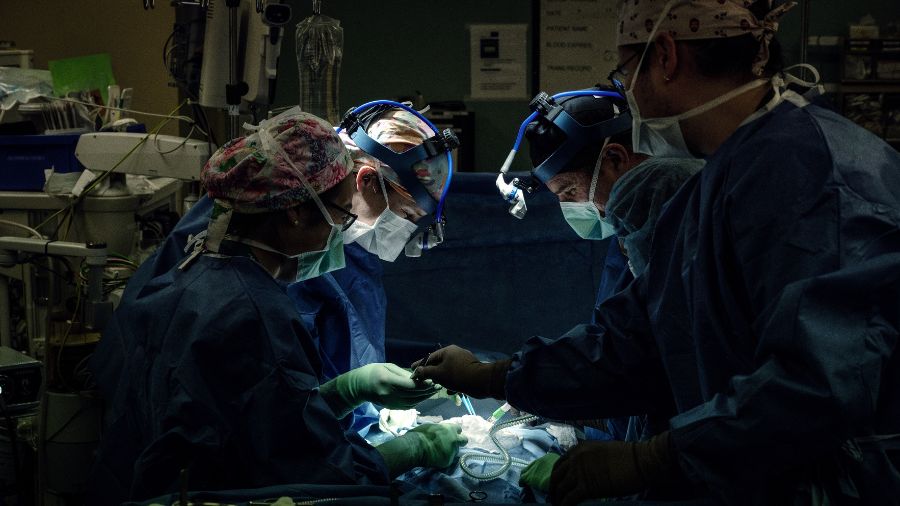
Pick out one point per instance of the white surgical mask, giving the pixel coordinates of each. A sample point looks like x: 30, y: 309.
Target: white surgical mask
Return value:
x: 387, y: 237
x: 663, y: 137
x: 584, y: 217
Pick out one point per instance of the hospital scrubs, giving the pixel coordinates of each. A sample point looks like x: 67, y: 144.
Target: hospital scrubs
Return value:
x: 211, y: 369
x: 768, y: 318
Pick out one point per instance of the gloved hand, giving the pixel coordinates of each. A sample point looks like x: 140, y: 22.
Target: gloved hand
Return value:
x: 537, y: 474
x: 385, y: 384
x: 428, y: 445
x: 457, y: 369
x: 597, y: 469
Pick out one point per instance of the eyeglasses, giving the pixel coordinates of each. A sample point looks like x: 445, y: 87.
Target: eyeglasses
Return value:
x: 617, y: 76
x: 347, y: 217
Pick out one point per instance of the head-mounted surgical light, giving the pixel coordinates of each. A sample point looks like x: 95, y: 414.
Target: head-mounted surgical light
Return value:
x: 430, y: 228
x: 577, y: 137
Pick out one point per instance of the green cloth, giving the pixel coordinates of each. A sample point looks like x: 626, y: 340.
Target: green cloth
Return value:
x: 84, y: 73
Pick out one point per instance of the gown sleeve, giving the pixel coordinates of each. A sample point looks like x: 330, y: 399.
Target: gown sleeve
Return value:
x: 821, y: 273
x: 603, y: 370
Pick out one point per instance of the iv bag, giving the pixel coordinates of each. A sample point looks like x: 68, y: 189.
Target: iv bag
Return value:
x: 320, y: 48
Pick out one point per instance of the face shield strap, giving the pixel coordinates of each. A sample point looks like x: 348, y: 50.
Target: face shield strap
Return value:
x: 402, y: 164
x: 429, y: 229
x: 577, y: 137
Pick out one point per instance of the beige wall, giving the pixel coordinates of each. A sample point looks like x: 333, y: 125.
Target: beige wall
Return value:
x: 133, y: 37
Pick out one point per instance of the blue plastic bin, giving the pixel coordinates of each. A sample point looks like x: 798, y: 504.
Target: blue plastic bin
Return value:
x: 23, y: 159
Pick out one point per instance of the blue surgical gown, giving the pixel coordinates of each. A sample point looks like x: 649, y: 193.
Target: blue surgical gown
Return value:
x: 615, y: 276
x: 211, y: 369
x: 768, y: 318
x: 345, y: 313
x: 344, y: 310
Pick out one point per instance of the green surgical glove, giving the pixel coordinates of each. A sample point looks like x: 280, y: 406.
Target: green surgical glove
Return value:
x: 537, y: 474
x: 385, y: 384
x: 428, y: 445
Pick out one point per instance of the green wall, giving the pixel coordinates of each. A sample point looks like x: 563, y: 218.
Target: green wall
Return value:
x: 394, y: 48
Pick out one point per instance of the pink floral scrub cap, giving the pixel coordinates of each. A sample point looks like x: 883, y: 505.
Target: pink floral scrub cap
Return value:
x: 281, y: 164
x: 251, y: 174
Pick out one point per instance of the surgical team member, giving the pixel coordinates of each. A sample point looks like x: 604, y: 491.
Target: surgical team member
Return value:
x: 208, y: 367
x: 585, y: 184
x: 346, y: 310
x: 768, y: 313
x: 634, y: 206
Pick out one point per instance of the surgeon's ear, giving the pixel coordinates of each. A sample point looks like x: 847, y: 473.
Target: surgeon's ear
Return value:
x: 666, y: 55
x: 619, y: 157
x: 367, y: 180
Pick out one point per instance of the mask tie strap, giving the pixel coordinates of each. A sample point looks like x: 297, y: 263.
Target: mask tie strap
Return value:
x: 596, y: 175
x: 383, y: 188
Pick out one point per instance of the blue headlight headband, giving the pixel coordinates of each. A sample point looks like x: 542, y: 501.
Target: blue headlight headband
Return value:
x: 577, y: 137
x: 443, y: 142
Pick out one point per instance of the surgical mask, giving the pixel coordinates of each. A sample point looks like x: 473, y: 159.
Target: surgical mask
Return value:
x: 663, y: 137
x: 387, y: 237
x: 309, y: 264
x: 584, y: 217
x: 585, y: 220
x: 312, y: 264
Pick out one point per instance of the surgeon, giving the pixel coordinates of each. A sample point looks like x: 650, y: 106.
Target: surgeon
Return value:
x: 768, y: 311
x: 634, y: 206
x: 346, y: 310
x: 208, y: 369
x: 584, y: 181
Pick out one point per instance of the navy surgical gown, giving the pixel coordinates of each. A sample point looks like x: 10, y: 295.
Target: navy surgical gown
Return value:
x: 211, y: 369
x: 768, y: 319
x: 344, y: 310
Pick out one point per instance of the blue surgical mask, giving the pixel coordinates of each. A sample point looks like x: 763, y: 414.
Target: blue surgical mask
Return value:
x: 313, y: 264
x: 309, y: 264
x: 585, y: 220
x: 584, y: 217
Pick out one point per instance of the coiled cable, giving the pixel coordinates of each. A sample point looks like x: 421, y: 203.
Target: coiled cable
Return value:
x: 504, y: 459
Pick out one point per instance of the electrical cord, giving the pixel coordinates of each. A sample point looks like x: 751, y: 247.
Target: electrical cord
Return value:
x: 504, y: 459
x: 105, y: 175
x: 65, y: 338
x: 26, y: 228
x: 11, y: 429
